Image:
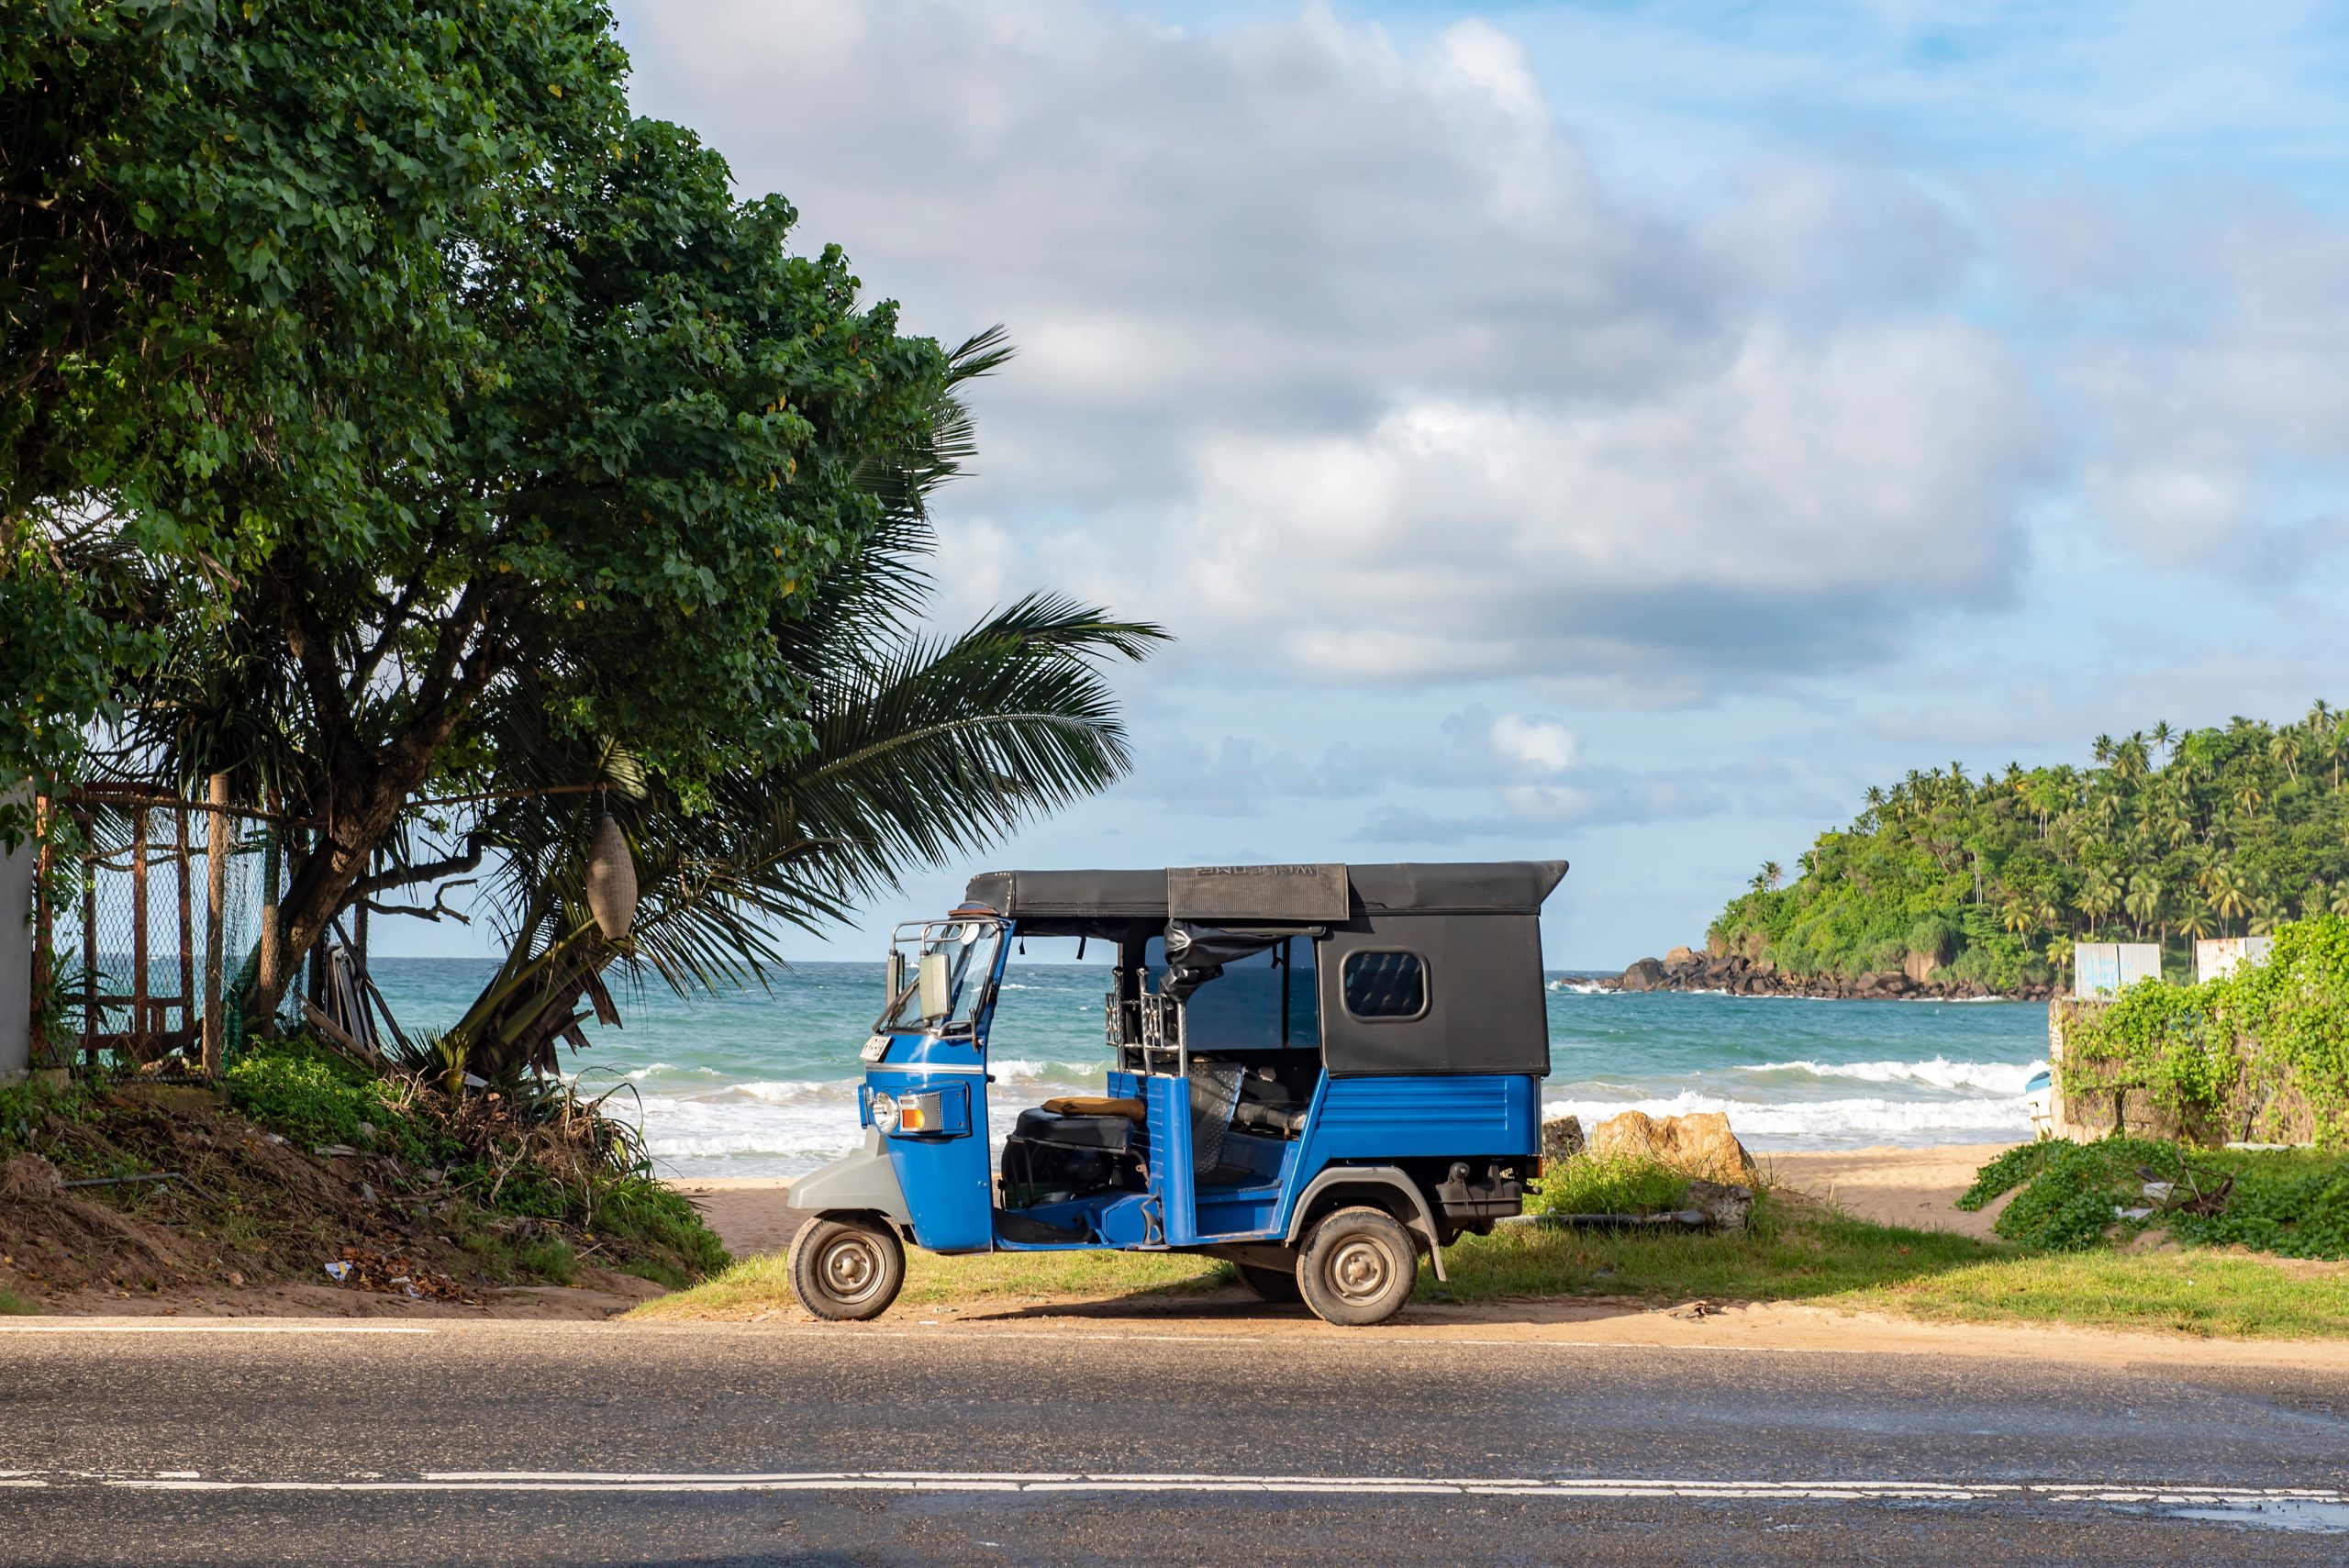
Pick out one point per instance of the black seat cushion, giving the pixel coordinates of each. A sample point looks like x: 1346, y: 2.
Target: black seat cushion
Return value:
x: 1076, y: 1131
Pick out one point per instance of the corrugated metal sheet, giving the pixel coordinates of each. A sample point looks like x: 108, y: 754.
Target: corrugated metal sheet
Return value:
x: 2218, y: 956
x: 2103, y: 970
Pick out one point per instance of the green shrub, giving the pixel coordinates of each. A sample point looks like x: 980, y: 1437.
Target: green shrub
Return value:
x: 314, y: 1096
x: 2008, y: 1172
x: 551, y: 1258
x: 1619, y: 1184
x: 648, y: 1213
x: 2294, y: 1202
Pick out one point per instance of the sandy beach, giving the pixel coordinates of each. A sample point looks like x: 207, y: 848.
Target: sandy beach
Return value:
x: 1894, y: 1186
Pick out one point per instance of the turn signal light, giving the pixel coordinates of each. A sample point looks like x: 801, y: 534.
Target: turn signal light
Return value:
x: 918, y: 1113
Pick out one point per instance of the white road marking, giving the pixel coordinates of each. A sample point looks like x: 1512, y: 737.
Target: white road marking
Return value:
x: 215, y: 1326
x: 1822, y: 1489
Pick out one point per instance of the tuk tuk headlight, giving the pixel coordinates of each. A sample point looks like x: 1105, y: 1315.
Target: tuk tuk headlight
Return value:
x: 885, y: 1111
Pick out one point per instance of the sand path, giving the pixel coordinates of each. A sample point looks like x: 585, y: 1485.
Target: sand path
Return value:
x: 1916, y: 1187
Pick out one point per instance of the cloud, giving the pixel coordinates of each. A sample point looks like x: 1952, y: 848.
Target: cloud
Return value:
x: 1544, y: 745
x: 1785, y: 513
x: 1346, y: 359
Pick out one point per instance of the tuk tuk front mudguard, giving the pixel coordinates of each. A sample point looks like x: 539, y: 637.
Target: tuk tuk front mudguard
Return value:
x: 862, y: 1183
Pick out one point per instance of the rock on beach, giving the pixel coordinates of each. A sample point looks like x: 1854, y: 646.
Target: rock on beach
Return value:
x: 1699, y: 1144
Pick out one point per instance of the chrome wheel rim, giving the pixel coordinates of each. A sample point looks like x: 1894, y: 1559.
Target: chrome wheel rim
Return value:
x: 1360, y: 1271
x: 850, y: 1270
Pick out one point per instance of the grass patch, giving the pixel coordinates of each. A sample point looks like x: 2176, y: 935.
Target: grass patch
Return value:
x: 755, y: 1284
x: 14, y: 1305
x: 1789, y: 1252
x: 1797, y: 1252
x: 2191, y: 1291
x: 314, y: 1096
x: 1616, y: 1185
x: 1794, y: 1252
x: 651, y: 1215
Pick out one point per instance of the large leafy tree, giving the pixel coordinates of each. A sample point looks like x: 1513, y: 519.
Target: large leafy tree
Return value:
x: 673, y: 442
x: 368, y: 357
x: 224, y: 233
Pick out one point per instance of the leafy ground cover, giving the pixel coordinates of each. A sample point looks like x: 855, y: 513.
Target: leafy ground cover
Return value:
x: 2076, y: 1198
x: 303, y: 1158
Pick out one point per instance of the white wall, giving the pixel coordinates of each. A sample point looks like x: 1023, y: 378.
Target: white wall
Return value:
x: 16, y: 956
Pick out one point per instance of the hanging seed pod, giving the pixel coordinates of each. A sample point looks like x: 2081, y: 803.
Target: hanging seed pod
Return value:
x: 612, y: 879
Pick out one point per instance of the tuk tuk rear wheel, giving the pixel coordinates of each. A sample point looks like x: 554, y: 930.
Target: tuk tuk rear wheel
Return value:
x: 1358, y: 1267
x: 846, y: 1270
x: 1277, y: 1286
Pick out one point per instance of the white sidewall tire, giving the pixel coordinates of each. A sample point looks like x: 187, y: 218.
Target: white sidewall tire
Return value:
x: 1359, y: 1267
x: 846, y: 1270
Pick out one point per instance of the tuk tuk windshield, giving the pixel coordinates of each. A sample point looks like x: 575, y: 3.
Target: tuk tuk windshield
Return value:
x: 938, y: 976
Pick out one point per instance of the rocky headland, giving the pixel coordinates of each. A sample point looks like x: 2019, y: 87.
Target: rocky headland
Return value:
x: 1740, y: 974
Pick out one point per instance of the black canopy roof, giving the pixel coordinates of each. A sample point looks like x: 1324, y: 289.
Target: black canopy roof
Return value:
x: 1072, y: 902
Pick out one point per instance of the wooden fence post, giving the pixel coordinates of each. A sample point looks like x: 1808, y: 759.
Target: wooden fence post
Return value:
x: 139, y: 998
x: 219, y: 842
x: 87, y: 823
x: 273, y: 940
x: 180, y: 859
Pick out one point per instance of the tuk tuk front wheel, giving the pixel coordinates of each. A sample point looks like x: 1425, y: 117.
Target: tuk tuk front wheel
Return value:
x: 1358, y: 1267
x: 846, y: 1270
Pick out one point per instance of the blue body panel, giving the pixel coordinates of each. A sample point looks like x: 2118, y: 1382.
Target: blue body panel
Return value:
x: 948, y: 1187
x: 948, y: 1176
x: 1366, y: 1120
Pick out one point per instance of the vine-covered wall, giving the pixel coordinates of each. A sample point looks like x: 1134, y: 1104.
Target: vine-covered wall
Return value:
x: 2262, y: 1055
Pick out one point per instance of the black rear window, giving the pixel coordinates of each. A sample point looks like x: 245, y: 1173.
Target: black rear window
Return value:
x: 1385, y: 985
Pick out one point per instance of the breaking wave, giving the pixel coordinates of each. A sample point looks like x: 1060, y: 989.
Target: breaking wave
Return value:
x: 1828, y: 1123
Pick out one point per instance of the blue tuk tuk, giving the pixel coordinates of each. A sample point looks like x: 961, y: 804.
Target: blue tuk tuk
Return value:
x: 1317, y: 1072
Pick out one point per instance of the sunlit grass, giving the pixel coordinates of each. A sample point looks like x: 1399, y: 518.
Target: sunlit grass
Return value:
x: 1795, y: 1252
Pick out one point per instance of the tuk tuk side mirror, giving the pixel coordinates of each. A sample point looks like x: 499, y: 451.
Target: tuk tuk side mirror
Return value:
x: 932, y: 979
x: 895, y: 980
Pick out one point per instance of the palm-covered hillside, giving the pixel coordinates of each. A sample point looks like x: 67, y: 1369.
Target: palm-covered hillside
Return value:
x: 2169, y: 836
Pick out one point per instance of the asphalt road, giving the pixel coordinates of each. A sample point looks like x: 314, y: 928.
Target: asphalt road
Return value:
x: 520, y: 1443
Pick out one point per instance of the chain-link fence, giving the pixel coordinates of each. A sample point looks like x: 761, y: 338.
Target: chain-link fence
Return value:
x: 149, y: 917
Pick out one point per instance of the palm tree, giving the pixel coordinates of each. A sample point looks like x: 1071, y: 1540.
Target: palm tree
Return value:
x: 922, y: 750
x: 2228, y: 895
x: 2163, y: 736
x: 2102, y: 749
x: 2285, y: 750
x: 2196, y: 921
x: 1773, y: 874
x: 2100, y: 896
x: 2144, y: 900
x: 917, y: 750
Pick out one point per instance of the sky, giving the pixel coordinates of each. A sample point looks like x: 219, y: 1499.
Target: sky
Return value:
x: 1610, y: 432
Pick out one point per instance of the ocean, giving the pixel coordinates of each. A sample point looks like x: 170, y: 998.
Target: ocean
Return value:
x: 761, y: 1083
